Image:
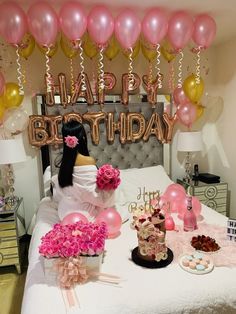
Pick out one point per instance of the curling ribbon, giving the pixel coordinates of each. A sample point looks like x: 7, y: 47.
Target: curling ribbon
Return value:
x: 101, y: 70
x: 82, y: 65
x: 48, y: 76
x: 130, y: 69
x: 72, y: 82
x: 157, y: 66
x: 198, y: 65
x: 150, y: 74
x: 172, y: 71
x: 180, y: 83
x: 20, y: 76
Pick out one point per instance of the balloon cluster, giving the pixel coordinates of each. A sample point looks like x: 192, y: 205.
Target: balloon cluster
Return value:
x: 110, y: 216
x: 12, y: 116
x: 73, y: 21
x: 175, y: 198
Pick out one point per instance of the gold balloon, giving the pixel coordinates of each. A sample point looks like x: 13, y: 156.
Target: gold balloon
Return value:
x: 27, y: 46
x: 149, y: 53
x: 11, y: 96
x: 89, y: 47
x: 2, y: 110
x: 200, y: 111
x: 113, y: 49
x: 193, y: 90
x: 52, y: 52
x: 167, y: 51
x: 67, y: 47
x: 135, y: 50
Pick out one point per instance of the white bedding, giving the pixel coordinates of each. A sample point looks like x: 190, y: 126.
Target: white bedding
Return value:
x: 142, y: 291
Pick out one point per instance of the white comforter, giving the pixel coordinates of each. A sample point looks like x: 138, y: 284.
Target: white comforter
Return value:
x: 142, y: 291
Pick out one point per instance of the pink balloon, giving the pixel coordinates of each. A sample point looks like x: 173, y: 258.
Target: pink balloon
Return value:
x: 179, y: 96
x: 112, y: 219
x: 13, y: 22
x: 127, y: 28
x: 169, y: 223
x: 204, y: 30
x: 174, y: 194
x: 2, y: 83
x: 180, y: 29
x: 73, y: 218
x: 43, y: 23
x: 187, y: 114
x: 155, y: 25
x: 100, y: 24
x: 73, y: 20
x: 197, y: 207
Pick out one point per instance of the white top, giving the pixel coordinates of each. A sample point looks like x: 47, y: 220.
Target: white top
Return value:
x: 83, y: 196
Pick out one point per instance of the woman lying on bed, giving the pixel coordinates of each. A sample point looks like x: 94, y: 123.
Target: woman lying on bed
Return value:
x: 75, y: 187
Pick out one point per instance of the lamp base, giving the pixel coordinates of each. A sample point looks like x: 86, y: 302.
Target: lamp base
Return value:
x: 11, y: 200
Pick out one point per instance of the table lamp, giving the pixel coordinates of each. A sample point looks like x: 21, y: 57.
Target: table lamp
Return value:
x: 189, y: 142
x: 11, y: 151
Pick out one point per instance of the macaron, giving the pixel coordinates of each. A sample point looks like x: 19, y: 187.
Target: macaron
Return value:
x: 198, y: 255
x: 196, y: 260
x: 200, y: 267
x: 185, y: 262
x: 206, y: 259
x: 189, y: 257
x: 204, y: 263
x: 192, y: 265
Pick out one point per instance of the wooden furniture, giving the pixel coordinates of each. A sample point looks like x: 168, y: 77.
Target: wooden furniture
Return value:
x: 9, y: 238
x: 213, y: 195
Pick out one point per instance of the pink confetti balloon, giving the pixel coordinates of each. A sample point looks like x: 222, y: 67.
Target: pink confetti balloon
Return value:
x: 187, y: 114
x: 127, y: 28
x: 73, y: 20
x: 100, y: 24
x: 155, y: 25
x: 204, y: 30
x: 112, y: 219
x: 179, y: 96
x: 180, y: 29
x: 73, y: 218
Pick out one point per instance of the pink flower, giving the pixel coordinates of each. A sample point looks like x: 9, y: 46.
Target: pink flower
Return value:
x: 71, y: 141
x: 108, y: 178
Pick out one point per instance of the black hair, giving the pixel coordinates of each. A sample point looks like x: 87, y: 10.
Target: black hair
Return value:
x: 71, y: 128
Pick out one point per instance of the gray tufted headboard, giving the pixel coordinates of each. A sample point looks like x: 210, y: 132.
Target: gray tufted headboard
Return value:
x: 129, y: 155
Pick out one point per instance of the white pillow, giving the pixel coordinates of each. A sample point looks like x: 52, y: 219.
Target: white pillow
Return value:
x: 134, y: 181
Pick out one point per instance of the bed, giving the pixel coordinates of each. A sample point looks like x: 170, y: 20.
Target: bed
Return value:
x: 140, y: 290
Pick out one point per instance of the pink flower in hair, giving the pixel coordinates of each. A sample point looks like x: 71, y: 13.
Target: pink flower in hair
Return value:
x: 71, y: 141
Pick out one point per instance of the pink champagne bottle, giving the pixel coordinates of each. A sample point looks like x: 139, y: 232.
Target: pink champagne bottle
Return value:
x: 190, y: 220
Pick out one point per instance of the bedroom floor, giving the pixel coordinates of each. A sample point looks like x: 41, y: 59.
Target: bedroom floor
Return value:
x: 12, y: 284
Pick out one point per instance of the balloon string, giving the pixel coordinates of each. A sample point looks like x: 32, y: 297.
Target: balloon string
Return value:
x: 20, y: 76
x: 150, y: 75
x: 173, y: 75
x: 82, y: 65
x: 48, y: 76
x: 170, y: 77
x: 130, y: 69
x: 72, y: 82
x: 198, y: 65
x: 101, y: 70
x: 180, y: 83
x: 94, y: 79
x: 157, y: 66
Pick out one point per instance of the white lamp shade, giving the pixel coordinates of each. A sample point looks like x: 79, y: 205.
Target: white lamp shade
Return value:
x: 12, y: 151
x: 189, y: 141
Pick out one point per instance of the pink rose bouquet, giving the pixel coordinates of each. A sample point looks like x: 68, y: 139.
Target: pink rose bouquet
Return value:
x: 108, y: 178
x: 73, y: 240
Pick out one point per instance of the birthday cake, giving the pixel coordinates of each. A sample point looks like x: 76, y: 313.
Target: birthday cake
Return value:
x: 150, y: 227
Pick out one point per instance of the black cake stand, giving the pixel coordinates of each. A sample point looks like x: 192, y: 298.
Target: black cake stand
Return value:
x: 151, y: 264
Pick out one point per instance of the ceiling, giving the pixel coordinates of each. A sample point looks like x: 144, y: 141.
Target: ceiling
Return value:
x: 223, y: 11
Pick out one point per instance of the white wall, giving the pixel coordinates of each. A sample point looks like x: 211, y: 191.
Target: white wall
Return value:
x: 29, y: 176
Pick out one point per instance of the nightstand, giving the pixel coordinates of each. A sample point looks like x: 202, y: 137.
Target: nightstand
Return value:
x: 214, y: 195
x: 10, y: 219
